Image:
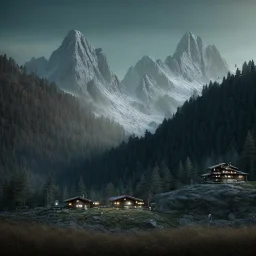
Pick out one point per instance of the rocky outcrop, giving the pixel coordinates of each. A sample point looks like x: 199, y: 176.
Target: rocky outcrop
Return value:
x: 228, y: 204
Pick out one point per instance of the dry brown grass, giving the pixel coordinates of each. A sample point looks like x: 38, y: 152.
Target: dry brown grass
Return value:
x: 28, y: 239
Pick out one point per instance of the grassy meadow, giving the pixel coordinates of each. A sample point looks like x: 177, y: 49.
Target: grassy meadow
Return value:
x: 35, y: 239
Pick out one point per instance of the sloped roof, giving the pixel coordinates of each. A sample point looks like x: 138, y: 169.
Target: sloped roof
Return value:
x: 78, y: 198
x: 225, y: 164
x: 245, y: 173
x: 238, y: 172
x: 205, y: 174
x: 114, y: 198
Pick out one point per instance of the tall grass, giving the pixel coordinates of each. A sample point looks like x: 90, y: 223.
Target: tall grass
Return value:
x: 28, y: 239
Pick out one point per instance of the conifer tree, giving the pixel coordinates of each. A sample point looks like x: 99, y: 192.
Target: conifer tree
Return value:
x: 81, y: 187
x: 248, y: 156
x: 167, y: 180
x: 142, y: 188
x: 65, y: 193
x: 48, y: 191
x: 156, y: 183
x: 179, y: 172
x: 110, y: 190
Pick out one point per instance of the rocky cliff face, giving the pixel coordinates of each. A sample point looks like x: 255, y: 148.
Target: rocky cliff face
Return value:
x: 228, y: 204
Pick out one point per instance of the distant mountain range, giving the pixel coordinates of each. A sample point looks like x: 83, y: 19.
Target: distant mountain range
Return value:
x: 150, y: 90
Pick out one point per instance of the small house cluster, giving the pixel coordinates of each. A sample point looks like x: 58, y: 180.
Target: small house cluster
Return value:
x: 124, y: 201
x: 220, y: 173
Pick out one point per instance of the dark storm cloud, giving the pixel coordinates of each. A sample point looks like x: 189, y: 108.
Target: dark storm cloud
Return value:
x: 127, y: 29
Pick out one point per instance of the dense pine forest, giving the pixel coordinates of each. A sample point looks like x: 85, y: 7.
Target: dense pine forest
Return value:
x: 43, y: 132
x: 218, y: 126
x: 53, y: 147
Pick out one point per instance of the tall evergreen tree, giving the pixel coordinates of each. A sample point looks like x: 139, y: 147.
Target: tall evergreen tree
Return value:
x: 81, y: 188
x: 179, y: 172
x: 48, y: 191
x: 156, y: 183
x: 188, y: 170
x: 142, y: 188
x: 110, y: 190
x: 167, y: 180
x: 65, y: 193
x: 248, y: 160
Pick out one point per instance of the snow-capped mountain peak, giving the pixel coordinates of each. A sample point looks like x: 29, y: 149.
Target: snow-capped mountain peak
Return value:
x: 151, y: 89
x: 190, y: 44
x: 196, y: 61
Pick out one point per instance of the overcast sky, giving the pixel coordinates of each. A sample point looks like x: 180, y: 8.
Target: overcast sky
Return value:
x: 128, y: 29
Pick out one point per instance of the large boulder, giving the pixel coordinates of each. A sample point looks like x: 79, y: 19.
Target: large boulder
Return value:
x: 223, y: 201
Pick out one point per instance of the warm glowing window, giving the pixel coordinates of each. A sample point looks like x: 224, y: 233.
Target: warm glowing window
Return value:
x: 69, y: 204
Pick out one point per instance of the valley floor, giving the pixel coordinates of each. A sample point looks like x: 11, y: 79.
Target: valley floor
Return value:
x: 35, y: 239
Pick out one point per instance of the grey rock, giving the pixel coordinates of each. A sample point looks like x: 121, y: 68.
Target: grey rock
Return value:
x: 231, y: 216
x: 226, y: 202
x: 151, y: 224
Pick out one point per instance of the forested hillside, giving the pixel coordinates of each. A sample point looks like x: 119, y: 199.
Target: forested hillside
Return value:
x: 48, y: 133
x: 44, y: 130
x: 218, y: 126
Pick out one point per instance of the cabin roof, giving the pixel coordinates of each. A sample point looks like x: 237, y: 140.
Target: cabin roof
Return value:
x: 238, y: 172
x: 245, y: 173
x: 205, y: 174
x: 78, y: 198
x: 225, y: 164
x: 114, y: 198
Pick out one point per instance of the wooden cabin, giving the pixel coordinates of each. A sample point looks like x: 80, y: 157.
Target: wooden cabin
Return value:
x: 79, y: 202
x: 126, y: 201
x: 224, y: 173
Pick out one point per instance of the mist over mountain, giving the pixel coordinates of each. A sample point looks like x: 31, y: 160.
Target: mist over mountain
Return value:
x: 149, y: 92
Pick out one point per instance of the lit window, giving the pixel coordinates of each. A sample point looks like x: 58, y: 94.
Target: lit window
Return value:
x: 69, y: 204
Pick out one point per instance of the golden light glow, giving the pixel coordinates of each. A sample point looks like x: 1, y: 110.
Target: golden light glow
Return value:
x: 96, y: 203
x: 69, y: 204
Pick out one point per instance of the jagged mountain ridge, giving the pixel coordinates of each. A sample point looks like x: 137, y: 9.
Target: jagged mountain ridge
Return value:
x: 150, y: 91
x: 195, y: 60
x: 79, y: 68
x: 193, y: 64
